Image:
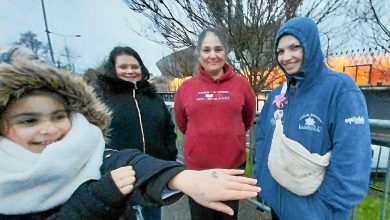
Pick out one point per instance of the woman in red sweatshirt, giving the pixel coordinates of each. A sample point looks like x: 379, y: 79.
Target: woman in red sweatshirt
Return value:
x: 214, y: 110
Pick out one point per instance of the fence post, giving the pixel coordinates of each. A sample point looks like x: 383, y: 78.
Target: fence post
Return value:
x: 381, y: 137
x: 386, y: 190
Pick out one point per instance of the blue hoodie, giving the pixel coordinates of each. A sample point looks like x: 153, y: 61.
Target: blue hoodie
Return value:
x: 325, y: 111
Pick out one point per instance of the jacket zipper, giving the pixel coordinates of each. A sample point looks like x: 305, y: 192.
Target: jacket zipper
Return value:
x: 140, y: 119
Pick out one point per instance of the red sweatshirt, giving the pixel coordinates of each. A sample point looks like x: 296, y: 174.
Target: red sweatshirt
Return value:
x: 214, y: 116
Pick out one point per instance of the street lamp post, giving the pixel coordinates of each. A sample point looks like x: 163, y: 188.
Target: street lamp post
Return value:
x: 48, y: 33
x: 64, y: 36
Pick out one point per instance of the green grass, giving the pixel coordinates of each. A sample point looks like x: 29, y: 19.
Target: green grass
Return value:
x: 249, y: 169
x: 370, y: 208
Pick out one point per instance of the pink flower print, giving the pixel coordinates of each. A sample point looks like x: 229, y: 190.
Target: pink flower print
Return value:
x: 280, y: 101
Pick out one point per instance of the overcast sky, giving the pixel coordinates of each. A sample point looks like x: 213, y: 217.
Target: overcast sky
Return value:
x: 102, y: 25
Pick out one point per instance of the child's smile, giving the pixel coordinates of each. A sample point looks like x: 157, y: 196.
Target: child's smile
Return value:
x: 36, y: 121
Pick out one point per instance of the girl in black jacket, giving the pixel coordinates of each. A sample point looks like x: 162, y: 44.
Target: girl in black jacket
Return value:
x: 53, y: 164
x: 140, y: 118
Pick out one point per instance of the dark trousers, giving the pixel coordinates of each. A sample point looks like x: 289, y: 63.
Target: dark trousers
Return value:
x: 199, y: 212
x: 151, y: 213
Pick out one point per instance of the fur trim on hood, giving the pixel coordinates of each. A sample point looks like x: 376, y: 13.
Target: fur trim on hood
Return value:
x: 22, y: 76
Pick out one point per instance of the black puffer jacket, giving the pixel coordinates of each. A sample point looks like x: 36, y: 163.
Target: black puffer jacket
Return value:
x: 140, y: 118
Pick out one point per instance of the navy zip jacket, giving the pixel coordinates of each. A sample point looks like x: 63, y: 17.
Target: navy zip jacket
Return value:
x: 151, y: 130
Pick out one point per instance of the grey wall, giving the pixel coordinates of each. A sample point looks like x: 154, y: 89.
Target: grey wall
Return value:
x: 378, y: 102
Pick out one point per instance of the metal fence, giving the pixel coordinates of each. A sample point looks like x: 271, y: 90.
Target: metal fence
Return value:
x: 167, y: 96
x: 380, y: 139
x: 380, y: 136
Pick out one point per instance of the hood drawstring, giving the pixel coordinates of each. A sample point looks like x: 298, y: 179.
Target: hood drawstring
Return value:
x: 140, y: 119
x: 293, y: 79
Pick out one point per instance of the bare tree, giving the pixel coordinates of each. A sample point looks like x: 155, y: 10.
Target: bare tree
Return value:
x: 372, y: 23
x: 29, y: 40
x: 67, y: 58
x: 250, y: 25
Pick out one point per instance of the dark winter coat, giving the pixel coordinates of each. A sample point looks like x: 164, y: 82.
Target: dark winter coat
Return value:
x: 140, y: 118
x: 103, y: 200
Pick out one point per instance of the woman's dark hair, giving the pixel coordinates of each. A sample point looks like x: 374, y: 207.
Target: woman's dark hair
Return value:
x: 119, y: 50
x: 221, y: 36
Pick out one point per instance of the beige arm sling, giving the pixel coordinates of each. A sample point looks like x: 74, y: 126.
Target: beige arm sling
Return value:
x: 292, y: 165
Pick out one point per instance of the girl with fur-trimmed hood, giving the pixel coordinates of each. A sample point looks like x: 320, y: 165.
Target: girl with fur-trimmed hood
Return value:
x: 53, y: 164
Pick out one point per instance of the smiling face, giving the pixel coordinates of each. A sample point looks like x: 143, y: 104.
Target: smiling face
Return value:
x: 290, y: 54
x: 35, y: 121
x: 128, y: 68
x: 212, y: 55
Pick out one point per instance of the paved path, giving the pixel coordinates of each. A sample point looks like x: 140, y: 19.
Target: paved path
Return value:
x: 180, y: 211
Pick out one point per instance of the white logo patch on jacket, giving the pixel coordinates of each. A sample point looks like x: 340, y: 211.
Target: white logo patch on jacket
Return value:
x: 355, y: 120
x: 213, y: 95
x: 310, y: 122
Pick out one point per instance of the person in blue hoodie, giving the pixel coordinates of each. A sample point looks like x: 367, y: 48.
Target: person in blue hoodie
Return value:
x: 313, y: 144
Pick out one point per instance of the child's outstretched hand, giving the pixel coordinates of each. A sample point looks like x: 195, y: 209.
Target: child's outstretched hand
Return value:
x: 124, y: 178
x: 209, y: 187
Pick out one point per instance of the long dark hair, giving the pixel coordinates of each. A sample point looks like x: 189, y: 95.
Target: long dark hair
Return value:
x: 119, y: 50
